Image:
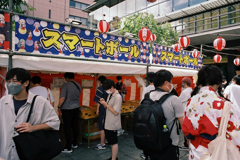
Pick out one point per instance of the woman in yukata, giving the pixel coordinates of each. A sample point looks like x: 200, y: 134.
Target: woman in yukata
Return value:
x: 203, y: 114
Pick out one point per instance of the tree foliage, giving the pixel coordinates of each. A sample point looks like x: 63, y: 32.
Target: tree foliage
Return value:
x: 165, y: 34
x: 19, y: 6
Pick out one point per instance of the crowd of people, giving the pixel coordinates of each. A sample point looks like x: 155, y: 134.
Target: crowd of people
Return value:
x: 198, y: 111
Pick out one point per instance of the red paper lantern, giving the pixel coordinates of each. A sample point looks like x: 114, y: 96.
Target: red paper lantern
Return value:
x: 176, y: 47
x: 153, y: 37
x: 219, y: 43
x: 103, y: 26
x: 217, y: 58
x: 184, y: 41
x: 236, y: 61
x: 144, y: 34
x: 151, y: 1
x: 195, y: 53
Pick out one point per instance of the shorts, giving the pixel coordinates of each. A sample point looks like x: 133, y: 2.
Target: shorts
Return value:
x: 111, y: 137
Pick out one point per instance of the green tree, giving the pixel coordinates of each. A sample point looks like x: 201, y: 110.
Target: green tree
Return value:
x: 165, y: 34
x: 18, y: 6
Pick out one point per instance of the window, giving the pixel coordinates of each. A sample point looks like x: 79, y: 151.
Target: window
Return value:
x: 83, y: 20
x: 193, y: 2
x: 49, y: 13
x: 180, y: 4
x: 78, y: 5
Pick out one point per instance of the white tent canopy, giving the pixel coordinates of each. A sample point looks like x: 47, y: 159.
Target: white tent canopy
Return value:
x: 80, y: 66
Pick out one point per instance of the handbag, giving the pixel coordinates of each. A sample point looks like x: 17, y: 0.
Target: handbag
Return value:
x: 37, y: 145
x: 222, y: 148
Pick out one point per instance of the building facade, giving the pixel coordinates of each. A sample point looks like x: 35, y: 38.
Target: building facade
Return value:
x: 60, y: 10
x: 201, y: 20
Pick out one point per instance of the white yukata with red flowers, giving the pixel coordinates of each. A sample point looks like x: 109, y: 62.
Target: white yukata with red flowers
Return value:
x: 202, y: 120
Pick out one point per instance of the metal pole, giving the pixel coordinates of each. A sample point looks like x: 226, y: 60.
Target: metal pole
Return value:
x: 146, y: 75
x: 10, y: 37
x: 201, y: 50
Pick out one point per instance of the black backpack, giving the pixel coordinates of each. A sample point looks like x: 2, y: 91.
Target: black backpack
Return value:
x: 148, y: 124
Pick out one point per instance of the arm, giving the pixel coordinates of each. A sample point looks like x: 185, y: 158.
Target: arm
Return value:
x: 27, y: 127
x: 180, y: 119
x: 61, y: 100
x: 98, y: 105
x: 102, y: 101
x: 225, y: 95
x: 52, y: 104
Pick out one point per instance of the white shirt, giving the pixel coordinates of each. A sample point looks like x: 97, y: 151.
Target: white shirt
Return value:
x: 185, y: 95
x: 42, y: 91
x: 42, y: 113
x: 147, y: 89
x: 233, y: 92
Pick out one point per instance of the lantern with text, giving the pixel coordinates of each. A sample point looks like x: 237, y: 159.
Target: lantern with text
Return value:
x: 144, y: 34
x: 217, y: 58
x: 184, y: 41
x: 195, y: 53
x: 176, y: 47
x: 219, y: 43
x: 103, y: 26
x: 153, y: 37
x: 236, y: 61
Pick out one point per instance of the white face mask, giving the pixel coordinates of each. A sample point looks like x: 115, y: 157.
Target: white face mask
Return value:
x: 170, y: 90
x: 108, y: 91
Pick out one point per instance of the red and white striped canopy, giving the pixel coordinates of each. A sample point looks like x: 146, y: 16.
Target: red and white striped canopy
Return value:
x: 236, y: 61
x: 153, y: 37
x: 103, y: 26
x: 217, y: 58
x: 219, y: 43
x: 184, y: 41
x: 195, y: 53
x: 144, y: 34
x: 176, y: 47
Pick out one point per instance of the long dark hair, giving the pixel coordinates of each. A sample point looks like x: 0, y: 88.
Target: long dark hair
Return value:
x: 209, y: 75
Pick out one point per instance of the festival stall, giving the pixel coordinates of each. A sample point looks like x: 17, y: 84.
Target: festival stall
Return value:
x: 49, y: 49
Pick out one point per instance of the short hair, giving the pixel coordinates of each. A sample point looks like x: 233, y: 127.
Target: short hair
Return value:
x: 187, y: 80
x: 36, y: 80
x: 150, y: 76
x: 119, y: 78
x: 21, y: 74
x: 237, y: 79
x: 108, y: 83
x: 69, y: 75
x: 102, y: 79
x: 161, y: 76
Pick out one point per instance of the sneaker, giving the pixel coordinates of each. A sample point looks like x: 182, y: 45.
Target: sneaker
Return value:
x: 183, y: 148
x: 74, y: 146
x: 142, y: 156
x: 100, y: 147
x: 111, y: 158
x: 65, y: 150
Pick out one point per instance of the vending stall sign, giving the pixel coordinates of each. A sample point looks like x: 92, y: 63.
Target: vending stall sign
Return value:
x: 4, y: 30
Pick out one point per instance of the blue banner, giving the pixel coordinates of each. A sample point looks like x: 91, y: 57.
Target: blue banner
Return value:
x: 37, y: 36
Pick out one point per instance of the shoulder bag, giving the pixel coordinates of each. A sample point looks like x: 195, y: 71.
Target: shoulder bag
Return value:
x: 37, y: 145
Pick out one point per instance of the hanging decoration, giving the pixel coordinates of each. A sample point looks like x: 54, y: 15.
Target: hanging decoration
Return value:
x: 195, y: 53
x: 176, y: 47
x: 103, y: 26
x: 150, y: 1
x: 219, y: 43
x: 144, y: 34
x: 236, y: 61
x: 153, y: 37
x: 184, y: 41
x: 217, y: 58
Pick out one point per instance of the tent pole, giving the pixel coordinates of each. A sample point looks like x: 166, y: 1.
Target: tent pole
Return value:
x: 10, y: 36
x: 201, y: 50
x: 146, y: 74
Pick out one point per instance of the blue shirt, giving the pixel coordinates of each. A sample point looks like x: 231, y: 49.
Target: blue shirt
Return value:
x: 101, y: 93
x: 18, y: 104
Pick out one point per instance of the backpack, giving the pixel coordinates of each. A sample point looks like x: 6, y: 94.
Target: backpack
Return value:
x: 148, y: 122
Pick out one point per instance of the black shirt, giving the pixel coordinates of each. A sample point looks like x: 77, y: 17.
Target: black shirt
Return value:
x: 18, y: 104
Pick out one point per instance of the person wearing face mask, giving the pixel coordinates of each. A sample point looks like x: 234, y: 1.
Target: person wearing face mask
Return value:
x: 172, y: 109
x: 204, y: 111
x: 113, y: 115
x: 101, y: 93
x: 14, y: 109
x: 150, y: 87
x: 184, y: 97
